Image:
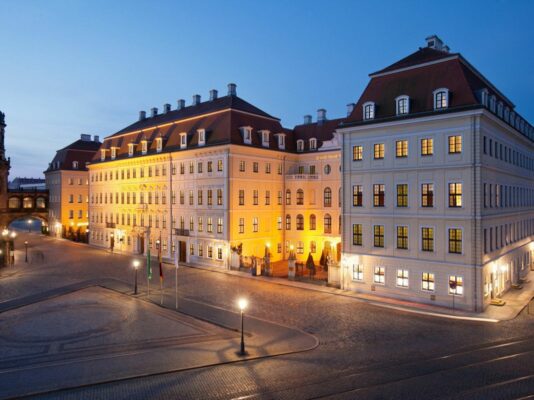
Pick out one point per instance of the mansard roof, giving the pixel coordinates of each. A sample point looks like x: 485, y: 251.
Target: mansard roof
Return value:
x: 322, y: 131
x: 81, y: 150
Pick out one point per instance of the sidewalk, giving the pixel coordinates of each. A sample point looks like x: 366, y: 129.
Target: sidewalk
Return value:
x: 516, y: 300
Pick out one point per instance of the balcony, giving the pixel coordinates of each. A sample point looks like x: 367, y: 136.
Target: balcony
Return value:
x: 302, y: 177
x: 110, y: 225
x: 181, y: 232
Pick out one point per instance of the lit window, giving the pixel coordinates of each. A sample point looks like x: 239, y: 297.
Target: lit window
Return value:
x: 144, y: 146
x: 113, y: 153
x: 357, y: 153
x: 368, y: 110
x: 241, y: 197
x: 209, y: 225
x: 455, y: 195
x: 327, y: 223
x: 378, y: 195
x: 379, y: 275
x: 441, y: 99
x: 130, y: 149
x: 357, y: 234
x: 183, y: 140
x: 159, y: 144
x: 357, y: 196
x: 313, y: 222
x: 241, y: 225
x: 403, y: 105
x: 219, y: 165
x: 402, y: 195
x: 313, y: 247
x: 102, y: 154
x: 300, y: 222
x: 401, y: 148
x: 300, y: 247
x: 402, y: 237
x: 255, y: 167
x: 427, y: 236
x: 201, y: 137
x: 288, y: 222
x: 427, y: 147
x: 288, y: 197
x: 357, y: 272
x: 427, y: 195
x: 300, y: 197
x: 327, y: 197
x: 402, y: 278
x: 379, y: 151
x: 456, y: 285
x: 428, y: 282
x: 455, y: 241
x: 219, y: 225
x: 455, y: 144
x: 378, y: 234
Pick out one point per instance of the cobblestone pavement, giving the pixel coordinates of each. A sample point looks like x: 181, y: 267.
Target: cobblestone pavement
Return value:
x: 364, y: 352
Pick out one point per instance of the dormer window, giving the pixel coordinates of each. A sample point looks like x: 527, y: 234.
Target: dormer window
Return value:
x: 247, y: 134
x: 368, y: 110
x: 313, y: 144
x: 144, y: 146
x: 75, y: 165
x: 493, y: 103
x: 183, y: 140
x: 403, y: 105
x: 130, y: 149
x: 265, y: 138
x: 300, y: 145
x: 500, y: 108
x: 102, y: 154
x: 113, y: 153
x: 159, y: 144
x: 281, y: 141
x: 441, y: 98
x: 201, y: 137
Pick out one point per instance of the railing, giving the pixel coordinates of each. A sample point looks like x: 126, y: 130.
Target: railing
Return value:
x: 302, y: 177
x: 110, y: 224
x: 181, y: 232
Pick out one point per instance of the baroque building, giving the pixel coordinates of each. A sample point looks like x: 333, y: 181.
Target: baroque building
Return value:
x: 217, y: 175
x: 438, y: 178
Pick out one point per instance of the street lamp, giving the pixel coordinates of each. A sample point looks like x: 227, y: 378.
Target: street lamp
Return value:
x: 111, y: 241
x: 30, y: 225
x: 242, y: 303
x: 135, y: 264
x: 26, y: 246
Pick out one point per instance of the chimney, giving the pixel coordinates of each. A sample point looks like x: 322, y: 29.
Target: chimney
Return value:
x: 166, y: 108
x: 321, y: 115
x: 85, y: 138
x: 142, y: 115
x: 154, y: 111
x: 350, y: 108
x: 307, y: 119
x: 213, y: 94
x: 196, y: 99
x: 181, y: 104
x: 97, y: 138
x: 232, y: 89
x: 434, y: 42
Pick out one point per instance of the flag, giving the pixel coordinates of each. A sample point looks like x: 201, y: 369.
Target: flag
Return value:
x: 160, y: 264
x: 148, y: 266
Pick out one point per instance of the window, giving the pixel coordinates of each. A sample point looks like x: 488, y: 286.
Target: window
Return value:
x: 279, y: 223
x: 288, y: 197
x: 402, y: 278
x: 402, y: 195
x: 368, y: 110
x: 313, y: 247
x: 327, y: 223
x: 378, y: 233
x: 428, y: 282
x: 268, y: 168
x: 247, y: 134
x: 183, y: 140
x: 210, y: 225
x: 427, y: 236
x: 327, y: 169
x: 255, y: 167
x: 210, y: 197
x: 242, y: 166
x: 159, y: 144
x: 455, y: 241
x: 357, y: 153
x: 402, y: 237
x: 300, y: 145
x: 401, y: 148
x: 300, y: 222
x: 113, y: 153
x: 241, y: 225
x: 199, y: 167
x: 281, y: 141
x: 441, y: 99
x: 456, y: 285
x: 210, y: 251
x: 279, y: 197
x: 219, y: 165
x: 378, y: 195
x: 255, y: 195
x: 201, y: 137
x: 75, y: 165
x: 300, y: 197
x: 219, y: 225
x: 357, y: 234
x: 199, y: 197
x: 379, y: 275
x: 200, y: 250
x: 288, y: 222
x: 357, y: 272
x: 191, y: 198
x: 14, y: 202
x: 327, y: 197
x: 455, y: 144
x: 300, y: 247
x: 455, y: 194
x: 210, y: 166
x: 219, y: 197
x: 427, y: 195
x: 313, y: 144
x: 313, y: 222
x: 267, y: 197
x: 379, y: 151
x: 427, y: 147
x: 241, y: 197
x: 403, y: 105
x: 357, y: 196
x: 191, y: 167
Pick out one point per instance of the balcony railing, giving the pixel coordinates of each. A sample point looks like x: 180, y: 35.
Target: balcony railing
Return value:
x: 181, y: 232
x: 302, y: 177
x: 110, y: 225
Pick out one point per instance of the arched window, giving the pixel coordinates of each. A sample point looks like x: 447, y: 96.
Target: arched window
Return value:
x: 300, y: 145
x: 288, y: 197
x: 441, y: 99
x: 288, y: 222
x: 313, y: 144
x: 313, y: 222
x: 14, y: 202
x: 368, y: 110
x: 300, y: 197
x: 327, y: 223
x: 27, y: 202
x: 327, y: 198
x: 300, y: 222
x: 40, y: 202
x: 402, y: 105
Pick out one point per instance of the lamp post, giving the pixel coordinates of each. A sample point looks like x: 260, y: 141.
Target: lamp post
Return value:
x: 30, y: 225
x: 111, y: 241
x: 135, y: 264
x: 26, y: 246
x: 242, y: 303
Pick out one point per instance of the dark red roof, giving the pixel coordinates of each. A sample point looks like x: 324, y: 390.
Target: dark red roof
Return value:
x: 80, y: 150
x: 421, y: 56
x: 322, y: 131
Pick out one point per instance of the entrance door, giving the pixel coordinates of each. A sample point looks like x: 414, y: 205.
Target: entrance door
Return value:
x: 183, y: 249
x: 141, y: 245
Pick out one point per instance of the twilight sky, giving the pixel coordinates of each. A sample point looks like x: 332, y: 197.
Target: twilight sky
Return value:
x: 71, y: 67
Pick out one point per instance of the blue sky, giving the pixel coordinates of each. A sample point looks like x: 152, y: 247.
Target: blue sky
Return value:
x: 71, y: 67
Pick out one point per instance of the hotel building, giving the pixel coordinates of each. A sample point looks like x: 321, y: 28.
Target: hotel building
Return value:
x: 438, y: 185
x: 67, y: 180
x: 215, y: 175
